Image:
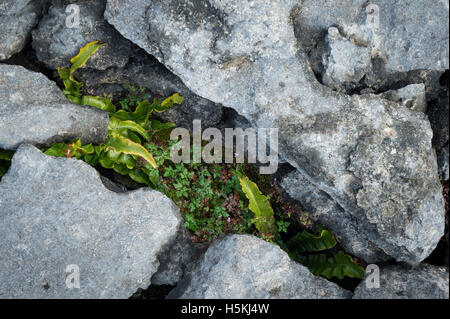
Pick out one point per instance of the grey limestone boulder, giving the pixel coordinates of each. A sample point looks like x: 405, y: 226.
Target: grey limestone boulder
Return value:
x: 56, y: 213
x: 243, y: 266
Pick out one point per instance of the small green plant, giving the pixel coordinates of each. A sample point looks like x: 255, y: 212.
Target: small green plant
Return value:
x: 123, y: 150
x: 5, y: 161
x: 259, y: 204
x: 215, y: 199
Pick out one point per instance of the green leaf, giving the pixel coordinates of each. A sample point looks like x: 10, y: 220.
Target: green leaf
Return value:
x: 116, y: 124
x: 72, y: 89
x: 83, y: 56
x: 121, y: 144
x: 260, y: 206
x: 306, y: 242
x: 92, y: 159
x: 339, y: 266
x: 98, y: 102
x: 122, y: 169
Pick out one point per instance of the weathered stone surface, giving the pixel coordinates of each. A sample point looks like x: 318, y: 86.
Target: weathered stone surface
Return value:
x: 351, y: 235
x: 438, y: 113
x: 55, y: 212
x: 398, y: 282
x: 411, y: 96
x: 145, y: 71
x: 243, y: 266
x: 372, y: 156
x: 345, y: 63
x: 56, y: 42
x: 17, y: 18
x: 403, y: 36
x: 177, y: 259
x: 34, y: 110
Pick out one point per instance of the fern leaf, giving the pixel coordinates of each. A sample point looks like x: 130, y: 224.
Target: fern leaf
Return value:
x: 306, y: 242
x: 339, y: 266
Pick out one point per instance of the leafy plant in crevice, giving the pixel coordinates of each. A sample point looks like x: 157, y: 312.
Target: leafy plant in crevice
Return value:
x: 215, y: 199
x: 337, y: 265
x: 259, y: 204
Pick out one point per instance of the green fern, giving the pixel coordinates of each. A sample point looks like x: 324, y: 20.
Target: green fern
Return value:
x: 123, y: 150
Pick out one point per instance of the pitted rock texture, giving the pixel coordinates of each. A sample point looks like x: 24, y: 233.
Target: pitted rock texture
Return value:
x: 243, y: 266
x: 55, y: 41
x: 17, y: 19
x: 177, y: 259
x: 373, y: 156
x: 399, y: 282
x: 34, y: 110
x: 55, y: 212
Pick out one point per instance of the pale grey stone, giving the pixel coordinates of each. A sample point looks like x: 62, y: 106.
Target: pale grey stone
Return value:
x: 244, y: 266
x: 17, y: 19
x: 409, y: 35
x: 55, y: 212
x: 346, y: 63
x: 145, y: 71
x: 373, y: 156
x: 34, y: 110
x: 55, y: 42
x: 400, y: 282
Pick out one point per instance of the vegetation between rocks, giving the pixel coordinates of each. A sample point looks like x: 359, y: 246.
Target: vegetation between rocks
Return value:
x: 215, y: 199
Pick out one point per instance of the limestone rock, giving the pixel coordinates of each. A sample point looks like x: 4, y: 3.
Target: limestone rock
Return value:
x: 55, y: 212
x: 34, y: 110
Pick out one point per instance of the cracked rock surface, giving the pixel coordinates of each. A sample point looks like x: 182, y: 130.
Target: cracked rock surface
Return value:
x: 56, y: 212
x: 373, y: 156
x: 56, y: 42
x: 400, y: 282
x: 34, y: 110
